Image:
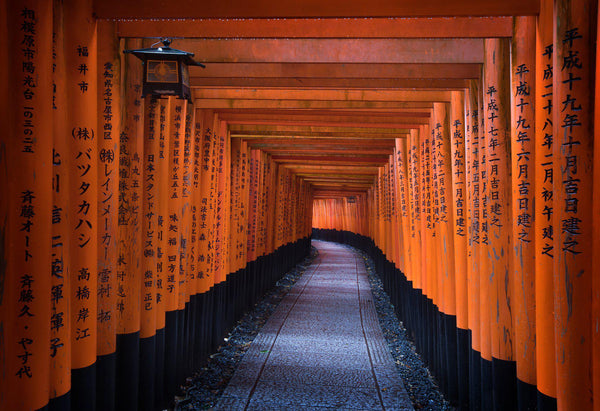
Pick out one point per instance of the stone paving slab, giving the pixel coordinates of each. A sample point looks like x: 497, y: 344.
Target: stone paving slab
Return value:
x: 322, y: 348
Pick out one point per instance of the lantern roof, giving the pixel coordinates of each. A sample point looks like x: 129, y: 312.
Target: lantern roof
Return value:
x: 165, y: 52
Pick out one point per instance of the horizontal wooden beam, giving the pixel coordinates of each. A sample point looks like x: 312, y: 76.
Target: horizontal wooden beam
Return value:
x: 221, y: 103
x: 238, y: 130
x: 331, y: 161
x: 274, y: 151
x: 333, y: 119
x: 293, y: 157
x: 260, y: 113
x: 332, y: 70
x: 346, y: 83
x: 320, y: 94
x: 334, y: 50
x: 308, y: 144
x: 459, y: 27
x: 181, y: 9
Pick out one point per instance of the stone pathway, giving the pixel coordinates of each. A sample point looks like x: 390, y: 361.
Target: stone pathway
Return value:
x: 322, y: 348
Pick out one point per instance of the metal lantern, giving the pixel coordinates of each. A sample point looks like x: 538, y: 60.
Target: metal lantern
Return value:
x: 166, y: 70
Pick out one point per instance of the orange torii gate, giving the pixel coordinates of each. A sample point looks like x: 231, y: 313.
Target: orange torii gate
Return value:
x: 136, y: 230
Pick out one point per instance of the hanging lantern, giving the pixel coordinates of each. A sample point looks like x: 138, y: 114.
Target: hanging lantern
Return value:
x: 166, y: 70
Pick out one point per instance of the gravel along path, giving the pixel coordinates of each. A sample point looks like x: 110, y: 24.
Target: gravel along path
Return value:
x: 204, y: 389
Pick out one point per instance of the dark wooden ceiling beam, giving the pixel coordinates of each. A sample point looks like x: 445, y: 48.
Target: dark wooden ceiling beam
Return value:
x: 181, y: 9
x: 459, y: 27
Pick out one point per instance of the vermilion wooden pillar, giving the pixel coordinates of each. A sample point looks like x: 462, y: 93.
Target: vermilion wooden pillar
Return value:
x: 129, y: 276
x: 5, y: 73
x: 473, y: 180
x: 162, y: 171
x: 500, y: 273
x: 596, y: 235
x: 573, y: 58
x: 149, y: 227
x: 206, y: 212
x: 174, y: 316
x: 404, y: 206
x: 484, y: 261
x: 81, y: 72
x: 186, y: 253
x: 25, y: 304
x: 523, y: 202
x: 60, y: 338
x: 544, y: 228
x: 109, y: 127
x: 415, y: 205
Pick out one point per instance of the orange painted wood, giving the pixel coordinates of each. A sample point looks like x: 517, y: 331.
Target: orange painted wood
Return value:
x: 447, y: 204
x: 404, y: 206
x: 26, y: 230
x: 162, y: 223
x: 250, y: 103
x: 499, y: 195
x: 544, y: 244
x: 460, y: 206
x: 221, y: 208
x: 574, y: 35
x: 312, y: 8
x: 206, y: 211
x: 196, y: 198
x: 149, y: 224
x: 414, y: 195
x: 174, y: 217
x: 187, y: 277
x: 318, y: 94
x: 523, y: 196
x: 474, y: 199
x: 322, y: 28
x: 415, y: 51
x: 335, y: 71
x: 60, y: 335
x: 346, y: 83
x: 485, y: 308
x: 5, y: 314
x: 596, y: 236
x: 80, y: 52
x: 109, y: 127
x: 129, y: 276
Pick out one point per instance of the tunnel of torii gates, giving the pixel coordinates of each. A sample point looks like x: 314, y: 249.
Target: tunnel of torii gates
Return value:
x: 452, y: 141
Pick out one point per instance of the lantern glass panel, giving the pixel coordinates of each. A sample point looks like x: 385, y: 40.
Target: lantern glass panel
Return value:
x: 162, y: 71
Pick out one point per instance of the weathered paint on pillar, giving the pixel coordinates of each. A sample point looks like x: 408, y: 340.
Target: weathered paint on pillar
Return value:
x: 5, y: 72
x: 26, y: 278
x: 596, y: 236
x: 473, y: 173
x: 497, y: 117
x: 447, y: 204
x: 544, y: 228
x: 523, y: 203
x: 473, y: 179
x: 196, y: 199
x: 150, y: 196
x: 414, y: 194
x: 484, y: 259
x: 573, y: 156
x: 404, y: 204
x: 162, y: 171
x: 109, y: 124
x: 186, y: 206
x: 174, y: 226
x: 205, y: 216
x: 459, y: 196
x: 60, y: 338
x: 81, y: 72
